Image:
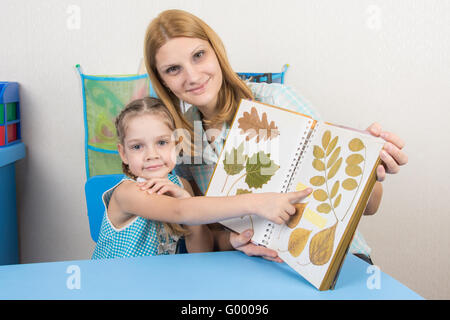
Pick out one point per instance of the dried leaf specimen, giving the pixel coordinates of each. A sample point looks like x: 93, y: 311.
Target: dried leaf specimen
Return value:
x: 253, y: 126
x: 297, y: 241
x: 260, y: 169
x: 321, y: 246
x: 295, y: 219
x: 327, y: 154
x: 234, y: 161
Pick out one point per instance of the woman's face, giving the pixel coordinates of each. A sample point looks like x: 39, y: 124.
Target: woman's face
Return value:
x: 190, y: 69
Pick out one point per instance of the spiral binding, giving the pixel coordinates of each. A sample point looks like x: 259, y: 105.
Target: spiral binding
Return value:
x: 298, y: 157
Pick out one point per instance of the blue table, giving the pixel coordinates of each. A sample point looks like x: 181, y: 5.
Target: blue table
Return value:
x: 204, y: 276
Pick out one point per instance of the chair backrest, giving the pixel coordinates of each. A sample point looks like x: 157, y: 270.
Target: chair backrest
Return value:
x: 94, y: 188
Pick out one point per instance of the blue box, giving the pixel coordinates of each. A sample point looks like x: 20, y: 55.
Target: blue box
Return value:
x: 9, y: 114
x: 9, y: 246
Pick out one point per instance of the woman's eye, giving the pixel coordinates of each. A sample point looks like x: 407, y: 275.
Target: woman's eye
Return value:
x: 199, y: 54
x: 172, y: 69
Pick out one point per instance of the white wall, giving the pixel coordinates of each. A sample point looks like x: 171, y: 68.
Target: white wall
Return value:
x: 358, y: 61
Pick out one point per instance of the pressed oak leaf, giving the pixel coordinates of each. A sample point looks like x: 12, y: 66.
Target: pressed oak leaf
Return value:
x: 253, y: 126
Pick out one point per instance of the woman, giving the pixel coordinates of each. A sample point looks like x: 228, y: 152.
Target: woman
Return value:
x: 187, y: 63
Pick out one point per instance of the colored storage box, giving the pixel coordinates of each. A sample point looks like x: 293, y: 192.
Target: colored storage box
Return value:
x: 9, y: 114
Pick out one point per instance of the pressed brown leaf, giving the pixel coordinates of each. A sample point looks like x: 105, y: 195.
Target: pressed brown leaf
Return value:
x: 295, y: 219
x: 337, y: 201
x: 297, y: 241
x: 331, y: 146
x: 317, y: 181
x: 334, y: 169
x: 354, y: 159
x: 349, y: 184
x: 353, y: 171
x: 321, y: 246
x: 333, y: 157
x: 320, y: 195
x: 324, y: 208
x: 355, y: 145
x: 318, y: 165
x: 252, y: 126
x: 318, y: 152
x: 334, y: 190
x: 326, y: 139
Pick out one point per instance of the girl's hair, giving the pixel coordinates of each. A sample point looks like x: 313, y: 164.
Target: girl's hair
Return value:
x: 177, y: 23
x: 147, y: 105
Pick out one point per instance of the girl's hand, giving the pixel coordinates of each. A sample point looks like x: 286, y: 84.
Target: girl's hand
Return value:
x: 392, y: 156
x: 163, y: 186
x: 278, y: 207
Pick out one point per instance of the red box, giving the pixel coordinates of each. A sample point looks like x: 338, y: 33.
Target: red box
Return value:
x: 12, y: 133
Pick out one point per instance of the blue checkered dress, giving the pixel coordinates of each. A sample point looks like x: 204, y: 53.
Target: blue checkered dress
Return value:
x: 275, y: 94
x: 141, y: 237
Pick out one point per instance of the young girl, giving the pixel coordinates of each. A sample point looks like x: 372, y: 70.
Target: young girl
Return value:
x: 187, y: 62
x: 150, y: 222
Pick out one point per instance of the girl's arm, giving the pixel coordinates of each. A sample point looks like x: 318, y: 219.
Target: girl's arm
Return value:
x: 200, y: 238
x: 276, y: 207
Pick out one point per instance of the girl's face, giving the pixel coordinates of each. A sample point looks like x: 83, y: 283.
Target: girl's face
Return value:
x: 148, y: 148
x: 190, y: 69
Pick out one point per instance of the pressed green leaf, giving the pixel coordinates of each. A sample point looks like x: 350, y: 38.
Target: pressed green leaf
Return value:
x: 242, y: 191
x: 260, y: 169
x: 317, y: 181
x: 233, y: 163
x: 334, y: 169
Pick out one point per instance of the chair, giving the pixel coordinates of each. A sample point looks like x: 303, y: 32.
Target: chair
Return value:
x: 94, y: 188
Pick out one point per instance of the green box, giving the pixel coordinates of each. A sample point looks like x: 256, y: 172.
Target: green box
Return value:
x: 11, y: 112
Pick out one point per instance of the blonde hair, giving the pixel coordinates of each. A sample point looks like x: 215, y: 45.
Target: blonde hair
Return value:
x: 178, y: 23
x: 147, y: 105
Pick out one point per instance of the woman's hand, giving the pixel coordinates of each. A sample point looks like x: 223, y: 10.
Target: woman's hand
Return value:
x: 392, y: 156
x: 241, y: 242
x: 163, y: 186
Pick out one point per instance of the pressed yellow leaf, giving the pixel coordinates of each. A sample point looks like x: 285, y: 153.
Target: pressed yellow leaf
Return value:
x: 355, y: 145
x: 324, y: 208
x: 337, y: 201
x: 349, y: 184
x: 297, y: 241
x: 334, y: 169
x: 354, y: 159
x: 326, y: 139
x: 331, y: 146
x: 334, y: 190
x: 295, y: 219
x: 353, y: 171
x: 333, y: 157
x: 317, y: 181
x: 320, y: 195
x: 318, y: 152
x: 321, y: 246
x: 318, y: 165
